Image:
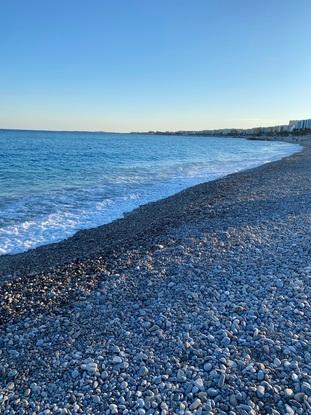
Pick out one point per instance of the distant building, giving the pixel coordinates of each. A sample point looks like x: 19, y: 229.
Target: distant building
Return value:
x: 299, y: 125
x: 276, y: 130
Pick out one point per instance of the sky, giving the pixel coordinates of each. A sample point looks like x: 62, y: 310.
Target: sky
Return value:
x: 137, y: 65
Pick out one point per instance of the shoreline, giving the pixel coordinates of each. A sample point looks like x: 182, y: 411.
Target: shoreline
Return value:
x: 142, y: 229
x: 43, y: 229
x: 32, y: 261
x: 194, y: 304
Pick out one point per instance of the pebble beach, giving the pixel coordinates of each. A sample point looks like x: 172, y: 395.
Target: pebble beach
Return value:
x: 194, y: 304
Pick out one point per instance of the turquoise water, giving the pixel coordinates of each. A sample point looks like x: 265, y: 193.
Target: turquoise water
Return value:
x: 55, y: 183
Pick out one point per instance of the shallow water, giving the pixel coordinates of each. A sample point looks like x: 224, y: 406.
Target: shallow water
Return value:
x: 55, y: 183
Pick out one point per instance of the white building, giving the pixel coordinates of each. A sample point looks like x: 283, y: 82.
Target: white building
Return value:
x: 299, y: 124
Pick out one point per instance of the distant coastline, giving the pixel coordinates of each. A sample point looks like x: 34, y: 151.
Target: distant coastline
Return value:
x: 293, y: 128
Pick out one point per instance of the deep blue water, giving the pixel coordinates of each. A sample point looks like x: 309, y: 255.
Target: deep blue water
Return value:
x: 55, y: 183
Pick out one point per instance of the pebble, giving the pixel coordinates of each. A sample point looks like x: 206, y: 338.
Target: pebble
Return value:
x: 143, y: 371
x: 260, y: 391
x: 261, y: 375
x: 113, y: 408
x: 195, y: 405
x: 208, y: 367
x: 117, y: 360
x: 212, y: 392
x: 306, y: 388
x: 289, y: 393
x: 90, y: 367
x: 199, y: 383
x: 289, y: 410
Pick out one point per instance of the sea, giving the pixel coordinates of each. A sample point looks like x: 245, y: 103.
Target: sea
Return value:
x: 53, y: 184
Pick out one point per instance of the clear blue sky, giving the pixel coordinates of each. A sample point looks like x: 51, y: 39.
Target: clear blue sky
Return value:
x: 123, y: 65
